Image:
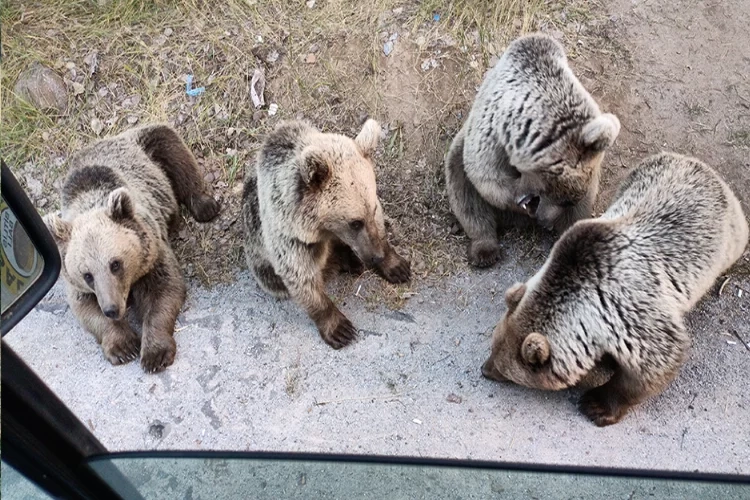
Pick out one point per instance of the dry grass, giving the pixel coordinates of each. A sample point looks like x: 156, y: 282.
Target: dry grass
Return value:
x: 144, y: 50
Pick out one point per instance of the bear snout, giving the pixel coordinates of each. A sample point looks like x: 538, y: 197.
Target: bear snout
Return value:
x: 111, y: 311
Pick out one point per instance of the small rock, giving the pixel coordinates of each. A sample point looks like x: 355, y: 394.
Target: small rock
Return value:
x: 209, y: 177
x: 34, y: 186
x: 517, y: 24
x: 474, y: 64
x: 387, y: 48
x: 493, y: 61
x: 429, y: 64
x: 311, y: 58
x: 258, y: 116
x: 97, y: 126
x: 310, y: 4
x: 231, y: 131
x: 70, y: 65
x: 398, y: 10
x: 168, y: 31
x: 92, y: 61
x: 314, y: 48
x: 42, y: 202
x: 272, y: 56
x: 132, y: 120
x: 45, y: 136
x: 78, y: 88
x: 160, y: 40
x: 421, y: 41
x: 454, y: 398
x: 43, y: 88
x: 103, y: 92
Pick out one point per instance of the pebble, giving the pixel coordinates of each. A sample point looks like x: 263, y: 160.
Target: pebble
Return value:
x: 43, y: 88
x: 454, y: 398
x: 311, y: 59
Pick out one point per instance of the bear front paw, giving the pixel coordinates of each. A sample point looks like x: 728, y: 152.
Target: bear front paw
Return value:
x: 602, y: 407
x: 484, y: 253
x: 157, y: 356
x: 205, y: 208
x: 395, y: 270
x: 340, y: 333
x: 122, y: 348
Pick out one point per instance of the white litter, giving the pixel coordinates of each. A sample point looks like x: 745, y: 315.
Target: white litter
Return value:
x: 273, y: 109
x: 417, y: 421
x: 257, y: 86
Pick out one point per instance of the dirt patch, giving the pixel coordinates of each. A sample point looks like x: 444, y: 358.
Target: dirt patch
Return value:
x: 125, y: 63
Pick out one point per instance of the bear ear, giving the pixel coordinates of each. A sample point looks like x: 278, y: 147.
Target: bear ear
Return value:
x: 535, y: 349
x: 600, y: 133
x: 513, y: 296
x: 368, y: 138
x: 120, y: 205
x: 314, y: 168
x: 59, y: 228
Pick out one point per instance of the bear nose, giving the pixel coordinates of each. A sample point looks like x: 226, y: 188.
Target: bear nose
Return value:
x: 377, y: 260
x: 112, y: 312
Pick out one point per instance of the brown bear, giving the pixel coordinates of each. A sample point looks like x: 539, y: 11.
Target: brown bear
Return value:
x: 530, y: 149
x: 615, y: 289
x: 118, y: 201
x: 313, y: 206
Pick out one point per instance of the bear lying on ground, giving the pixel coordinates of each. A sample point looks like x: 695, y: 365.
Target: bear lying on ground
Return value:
x: 615, y: 289
x: 531, y: 146
x: 117, y: 203
x: 313, y: 207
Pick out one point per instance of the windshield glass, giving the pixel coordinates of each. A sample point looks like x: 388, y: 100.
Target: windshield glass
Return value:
x: 192, y: 478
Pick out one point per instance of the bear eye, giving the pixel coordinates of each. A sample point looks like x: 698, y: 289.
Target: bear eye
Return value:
x: 115, y: 266
x: 357, y: 225
x: 88, y: 278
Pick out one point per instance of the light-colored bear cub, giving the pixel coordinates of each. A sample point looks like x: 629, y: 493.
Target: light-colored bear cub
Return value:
x: 531, y: 147
x: 117, y: 202
x: 313, y: 206
x: 615, y: 289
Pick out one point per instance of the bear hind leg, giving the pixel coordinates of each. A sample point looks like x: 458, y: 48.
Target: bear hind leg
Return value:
x: 477, y: 217
x: 162, y: 144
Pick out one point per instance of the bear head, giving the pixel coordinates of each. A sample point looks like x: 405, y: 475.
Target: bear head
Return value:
x: 104, y: 251
x: 520, y: 353
x: 573, y: 167
x: 338, y: 190
x: 568, y: 170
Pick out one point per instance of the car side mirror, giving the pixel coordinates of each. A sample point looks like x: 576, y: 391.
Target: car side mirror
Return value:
x: 29, y: 258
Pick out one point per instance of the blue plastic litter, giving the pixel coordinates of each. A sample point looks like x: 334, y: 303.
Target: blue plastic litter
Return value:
x: 436, y: 17
x: 193, y: 92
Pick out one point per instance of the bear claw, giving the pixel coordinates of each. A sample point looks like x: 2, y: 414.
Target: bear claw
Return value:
x: 122, y: 350
x: 398, y: 273
x: 601, y: 408
x: 157, y: 359
x: 341, y: 335
x: 205, y: 208
x: 484, y: 253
